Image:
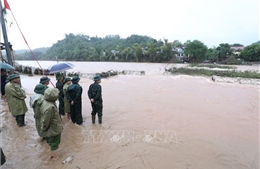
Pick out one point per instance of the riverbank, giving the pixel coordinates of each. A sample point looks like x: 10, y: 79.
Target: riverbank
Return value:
x: 241, y: 74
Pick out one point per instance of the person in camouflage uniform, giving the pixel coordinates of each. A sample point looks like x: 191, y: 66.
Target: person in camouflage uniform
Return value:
x: 95, y: 97
x: 74, y: 94
x: 59, y: 85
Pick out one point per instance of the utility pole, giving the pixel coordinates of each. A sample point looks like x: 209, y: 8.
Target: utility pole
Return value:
x: 7, y: 47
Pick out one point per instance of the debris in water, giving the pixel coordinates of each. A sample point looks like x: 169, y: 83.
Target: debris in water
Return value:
x: 70, y: 158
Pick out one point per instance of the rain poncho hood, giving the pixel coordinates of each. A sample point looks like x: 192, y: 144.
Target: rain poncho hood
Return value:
x: 51, y: 94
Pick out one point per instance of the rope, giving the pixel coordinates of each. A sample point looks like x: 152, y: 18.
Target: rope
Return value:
x: 28, y: 44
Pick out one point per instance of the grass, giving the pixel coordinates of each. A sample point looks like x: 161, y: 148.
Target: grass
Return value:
x: 227, y: 73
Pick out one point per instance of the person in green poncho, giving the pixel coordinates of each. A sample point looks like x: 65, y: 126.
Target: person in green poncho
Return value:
x: 35, y: 102
x: 16, y: 99
x: 51, y: 123
x: 67, y: 82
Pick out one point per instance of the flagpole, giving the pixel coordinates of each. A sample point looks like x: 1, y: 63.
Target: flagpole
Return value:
x: 7, y: 47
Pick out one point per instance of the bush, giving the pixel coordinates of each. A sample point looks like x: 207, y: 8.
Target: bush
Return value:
x: 233, y: 73
x: 231, y: 61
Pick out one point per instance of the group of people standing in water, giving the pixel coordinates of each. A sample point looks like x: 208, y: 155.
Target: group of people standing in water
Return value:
x: 47, y: 114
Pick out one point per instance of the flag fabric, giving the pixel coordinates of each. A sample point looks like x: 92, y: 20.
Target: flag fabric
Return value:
x: 6, y: 5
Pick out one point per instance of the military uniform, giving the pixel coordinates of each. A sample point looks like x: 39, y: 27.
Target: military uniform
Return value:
x: 74, y: 97
x: 95, y: 93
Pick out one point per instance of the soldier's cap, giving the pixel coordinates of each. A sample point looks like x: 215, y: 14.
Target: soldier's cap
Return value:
x: 59, y: 76
x: 97, y: 77
x: 13, y: 76
x: 67, y: 79
x: 40, y: 88
x: 75, y: 79
x: 44, y: 79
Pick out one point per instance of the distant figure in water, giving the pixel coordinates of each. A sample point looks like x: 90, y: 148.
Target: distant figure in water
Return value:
x: 95, y: 97
x: 35, y: 102
x: 67, y: 82
x: 16, y: 99
x: 51, y: 120
x: 74, y: 95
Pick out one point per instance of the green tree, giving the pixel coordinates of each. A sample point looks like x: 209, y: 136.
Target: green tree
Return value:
x: 251, y: 53
x: 137, y: 52
x: 212, y: 54
x: 223, y: 51
x: 196, y: 51
x: 152, y: 51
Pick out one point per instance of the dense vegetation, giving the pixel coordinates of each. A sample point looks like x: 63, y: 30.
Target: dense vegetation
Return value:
x: 224, y: 73
x: 138, y: 48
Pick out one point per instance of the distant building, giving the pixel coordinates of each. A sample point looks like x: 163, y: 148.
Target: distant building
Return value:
x: 179, y: 53
x: 236, y: 49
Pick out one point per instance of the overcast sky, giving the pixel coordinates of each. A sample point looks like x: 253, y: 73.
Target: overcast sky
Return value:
x: 44, y: 22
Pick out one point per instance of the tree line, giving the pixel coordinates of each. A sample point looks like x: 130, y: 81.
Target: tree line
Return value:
x: 137, y: 48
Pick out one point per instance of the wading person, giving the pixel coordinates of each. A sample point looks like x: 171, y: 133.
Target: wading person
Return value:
x: 74, y: 97
x: 95, y: 97
x: 16, y: 99
x: 67, y: 82
x: 51, y: 120
x: 45, y: 81
x: 35, y: 102
x: 59, y: 85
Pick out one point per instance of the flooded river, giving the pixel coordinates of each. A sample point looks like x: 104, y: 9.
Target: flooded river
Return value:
x: 155, y: 121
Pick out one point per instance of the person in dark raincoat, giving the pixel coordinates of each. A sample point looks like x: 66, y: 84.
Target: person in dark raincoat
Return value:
x: 95, y: 97
x: 16, y: 99
x: 35, y: 102
x: 3, y: 82
x: 59, y: 85
x: 51, y: 123
x: 74, y: 94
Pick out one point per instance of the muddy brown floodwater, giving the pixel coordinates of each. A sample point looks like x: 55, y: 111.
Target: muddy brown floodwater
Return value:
x: 151, y: 121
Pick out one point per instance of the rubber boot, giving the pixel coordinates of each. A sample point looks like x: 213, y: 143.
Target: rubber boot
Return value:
x: 21, y: 120
x: 99, y: 120
x: 17, y: 120
x: 93, y: 119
